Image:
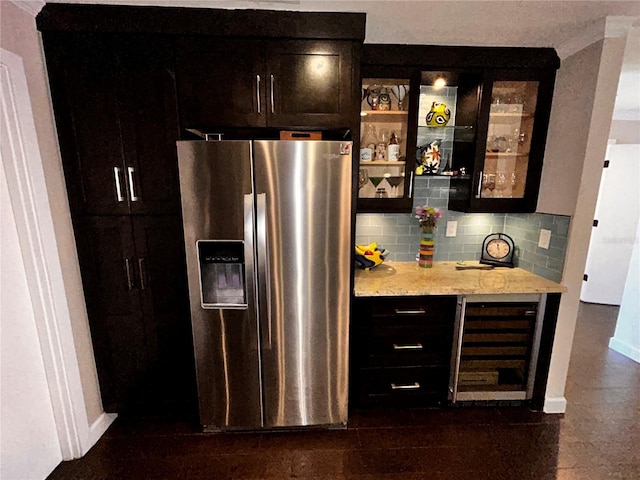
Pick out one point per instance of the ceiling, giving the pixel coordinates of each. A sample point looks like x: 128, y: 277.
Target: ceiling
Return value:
x: 561, y: 24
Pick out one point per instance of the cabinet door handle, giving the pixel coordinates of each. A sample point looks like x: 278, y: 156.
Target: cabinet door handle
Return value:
x: 116, y: 176
x: 127, y: 266
x: 141, y: 272
x: 132, y: 192
x: 411, y: 346
x: 415, y: 311
x: 273, y: 108
x: 258, y: 94
x: 479, y: 185
x: 411, y: 185
x: 408, y: 386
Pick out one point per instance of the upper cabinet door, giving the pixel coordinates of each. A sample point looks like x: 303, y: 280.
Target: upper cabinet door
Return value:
x: 221, y: 82
x: 387, y: 139
x: 83, y: 87
x: 149, y: 120
x: 514, y: 120
x: 310, y: 83
x: 115, y: 107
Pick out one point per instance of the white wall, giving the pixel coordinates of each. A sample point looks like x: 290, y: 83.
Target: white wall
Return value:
x: 627, y: 336
x: 568, y: 131
x: 608, y: 64
x: 625, y: 131
x: 29, y: 447
x: 47, y: 256
x: 18, y: 35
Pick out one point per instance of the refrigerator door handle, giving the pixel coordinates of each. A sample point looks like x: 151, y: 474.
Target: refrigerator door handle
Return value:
x: 264, y: 273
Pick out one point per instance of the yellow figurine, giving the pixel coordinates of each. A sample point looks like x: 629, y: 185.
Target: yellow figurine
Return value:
x: 439, y: 115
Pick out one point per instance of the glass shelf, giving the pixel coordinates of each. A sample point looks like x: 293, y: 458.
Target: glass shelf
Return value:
x: 379, y: 163
x: 447, y: 127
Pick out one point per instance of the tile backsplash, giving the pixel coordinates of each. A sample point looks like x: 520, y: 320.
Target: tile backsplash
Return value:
x: 400, y: 233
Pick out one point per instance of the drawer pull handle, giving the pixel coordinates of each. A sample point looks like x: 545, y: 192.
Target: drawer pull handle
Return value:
x: 415, y: 311
x: 413, y: 346
x: 530, y: 313
x: 410, y: 386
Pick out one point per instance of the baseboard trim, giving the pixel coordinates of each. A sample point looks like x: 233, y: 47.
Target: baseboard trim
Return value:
x: 625, y: 349
x: 97, y: 429
x: 555, y: 405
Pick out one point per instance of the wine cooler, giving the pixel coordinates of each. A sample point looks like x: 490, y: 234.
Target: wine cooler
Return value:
x: 495, y: 348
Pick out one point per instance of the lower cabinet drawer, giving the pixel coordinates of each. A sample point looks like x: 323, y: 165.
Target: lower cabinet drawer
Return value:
x: 402, y: 386
x: 390, y: 346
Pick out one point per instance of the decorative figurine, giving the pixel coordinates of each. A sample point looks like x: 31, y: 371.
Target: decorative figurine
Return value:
x: 400, y: 93
x: 373, y: 96
x: 439, y: 115
x: 384, y: 99
x: 430, y: 158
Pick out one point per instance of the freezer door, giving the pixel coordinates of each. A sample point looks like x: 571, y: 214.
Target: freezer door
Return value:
x: 218, y: 215
x: 303, y: 241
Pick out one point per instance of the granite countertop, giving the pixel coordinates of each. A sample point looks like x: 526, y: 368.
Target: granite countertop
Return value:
x: 407, y: 278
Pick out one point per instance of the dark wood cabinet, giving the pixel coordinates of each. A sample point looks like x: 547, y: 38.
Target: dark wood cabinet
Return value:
x: 492, y: 145
x: 512, y: 130
x: 115, y: 108
x: 126, y: 82
x: 401, y: 350
x: 265, y: 83
x: 134, y: 280
x: 116, y: 113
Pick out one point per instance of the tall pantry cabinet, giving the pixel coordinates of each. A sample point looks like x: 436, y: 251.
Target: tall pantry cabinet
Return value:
x: 115, y: 105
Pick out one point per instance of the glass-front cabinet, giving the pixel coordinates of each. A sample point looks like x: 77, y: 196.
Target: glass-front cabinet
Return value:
x: 512, y: 128
x: 386, y: 144
x: 506, y: 158
x: 477, y: 115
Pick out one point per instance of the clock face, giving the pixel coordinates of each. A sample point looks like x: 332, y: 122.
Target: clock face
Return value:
x: 498, y: 248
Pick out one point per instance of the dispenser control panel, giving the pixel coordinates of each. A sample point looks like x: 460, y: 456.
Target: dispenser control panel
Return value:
x: 222, y: 274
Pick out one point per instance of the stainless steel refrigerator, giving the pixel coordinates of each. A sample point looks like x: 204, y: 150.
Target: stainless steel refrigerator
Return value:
x: 267, y: 226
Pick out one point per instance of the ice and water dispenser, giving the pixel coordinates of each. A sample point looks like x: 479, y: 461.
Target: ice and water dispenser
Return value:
x: 222, y: 280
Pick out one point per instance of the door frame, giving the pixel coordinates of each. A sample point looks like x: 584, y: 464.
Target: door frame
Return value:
x: 33, y: 214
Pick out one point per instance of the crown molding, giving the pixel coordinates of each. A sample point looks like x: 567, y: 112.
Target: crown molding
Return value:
x: 32, y: 7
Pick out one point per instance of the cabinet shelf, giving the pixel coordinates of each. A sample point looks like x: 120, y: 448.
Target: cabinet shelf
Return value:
x: 510, y: 115
x: 505, y: 155
x: 445, y: 128
x: 383, y: 113
x: 380, y: 163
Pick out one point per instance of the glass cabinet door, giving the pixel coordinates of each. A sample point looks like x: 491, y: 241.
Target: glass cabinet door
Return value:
x: 383, y: 139
x: 447, y: 116
x: 508, y: 146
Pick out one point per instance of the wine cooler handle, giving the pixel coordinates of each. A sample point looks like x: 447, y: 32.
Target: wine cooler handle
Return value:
x: 127, y: 266
x: 116, y: 176
x: 258, y: 94
x: 415, y: 311
x: 132, y: 192
x: 273, y: 108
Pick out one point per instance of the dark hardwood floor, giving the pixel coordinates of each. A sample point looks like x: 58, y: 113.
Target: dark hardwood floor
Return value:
x: 597, y: 438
